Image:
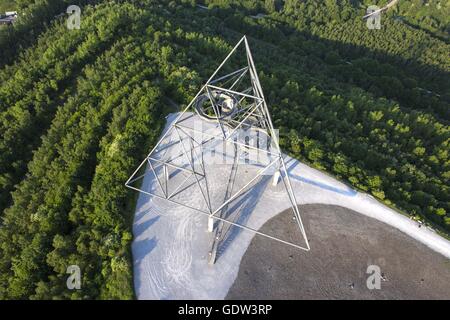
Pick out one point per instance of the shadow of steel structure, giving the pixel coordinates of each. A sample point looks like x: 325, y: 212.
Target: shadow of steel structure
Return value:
x: 231, y: 103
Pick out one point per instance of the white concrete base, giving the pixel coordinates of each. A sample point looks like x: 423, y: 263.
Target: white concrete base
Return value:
x: 170, y: 247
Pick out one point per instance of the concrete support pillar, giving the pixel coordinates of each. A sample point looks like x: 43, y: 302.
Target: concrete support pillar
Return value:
x: 210, y: 224
x: 276, y: 178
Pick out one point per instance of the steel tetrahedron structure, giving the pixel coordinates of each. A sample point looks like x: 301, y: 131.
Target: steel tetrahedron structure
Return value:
x: 228, y: 113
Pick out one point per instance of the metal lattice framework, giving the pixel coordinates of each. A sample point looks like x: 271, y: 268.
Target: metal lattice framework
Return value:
x: 229, y: 104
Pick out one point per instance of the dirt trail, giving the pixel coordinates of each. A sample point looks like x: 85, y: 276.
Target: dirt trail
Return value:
x: 343, y: 244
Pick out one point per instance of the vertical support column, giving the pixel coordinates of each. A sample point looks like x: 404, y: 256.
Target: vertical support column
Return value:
x: 290, y: 191
x: 166, y: 178
x: 210, y: 224
x: 276, y: 178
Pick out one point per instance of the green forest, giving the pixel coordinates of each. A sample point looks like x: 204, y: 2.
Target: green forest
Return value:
x: 7, y: 5
x: 80, y: 108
